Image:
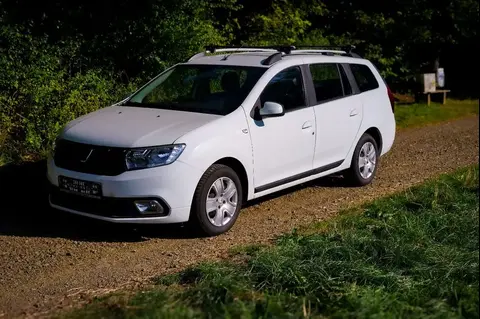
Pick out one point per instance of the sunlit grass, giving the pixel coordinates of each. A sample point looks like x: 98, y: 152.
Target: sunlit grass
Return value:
x: 414, y: 115
x: 414, y: 254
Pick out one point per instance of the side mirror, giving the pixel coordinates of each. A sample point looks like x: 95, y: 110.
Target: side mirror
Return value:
x: 272, y: 109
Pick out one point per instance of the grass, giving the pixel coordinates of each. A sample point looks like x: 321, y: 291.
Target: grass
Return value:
x: 414, y: 254
x: 415, y: 115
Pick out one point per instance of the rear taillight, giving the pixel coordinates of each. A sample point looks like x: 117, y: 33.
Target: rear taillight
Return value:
x: 392, y: 99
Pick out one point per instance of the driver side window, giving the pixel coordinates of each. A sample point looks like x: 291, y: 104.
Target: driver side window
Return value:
x: 285, y: 88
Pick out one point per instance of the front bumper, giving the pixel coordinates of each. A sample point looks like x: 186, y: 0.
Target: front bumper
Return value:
x: 172, y: 186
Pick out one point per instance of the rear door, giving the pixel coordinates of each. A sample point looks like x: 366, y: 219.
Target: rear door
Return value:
x: 338, y: 113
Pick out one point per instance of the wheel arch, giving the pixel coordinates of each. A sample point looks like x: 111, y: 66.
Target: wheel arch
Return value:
x: 377, y: 136
x: 240, y: 170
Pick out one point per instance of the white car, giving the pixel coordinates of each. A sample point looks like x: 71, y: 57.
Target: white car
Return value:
x: 207, y: 135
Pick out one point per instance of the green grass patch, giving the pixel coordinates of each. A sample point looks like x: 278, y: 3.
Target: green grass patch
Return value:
x: 414, y: 115
x: 414, y: 254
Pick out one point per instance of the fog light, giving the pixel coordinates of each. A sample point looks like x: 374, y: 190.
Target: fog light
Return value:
x: 149, y: 207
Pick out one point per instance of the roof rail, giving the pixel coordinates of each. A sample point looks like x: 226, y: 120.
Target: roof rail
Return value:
x: 231, y: 49
x: 327, y: 47
x: 345, y: 50
x: 274, y: 48
x: 285, y: 49
x: 324, y: 52
x: 209, y: 49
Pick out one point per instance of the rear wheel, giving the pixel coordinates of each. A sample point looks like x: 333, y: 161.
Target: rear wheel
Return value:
x: 364, y: 162
x: 217, y: 201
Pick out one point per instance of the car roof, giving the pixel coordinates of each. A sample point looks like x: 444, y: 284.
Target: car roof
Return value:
x: 255, y: 59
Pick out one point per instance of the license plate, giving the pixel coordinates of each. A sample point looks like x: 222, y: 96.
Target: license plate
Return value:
x: 79, y: 187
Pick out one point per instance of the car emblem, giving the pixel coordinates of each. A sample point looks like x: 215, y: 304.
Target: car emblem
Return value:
x: 88, y: 156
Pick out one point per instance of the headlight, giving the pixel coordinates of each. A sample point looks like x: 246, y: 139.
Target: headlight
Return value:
x: 153, y: 156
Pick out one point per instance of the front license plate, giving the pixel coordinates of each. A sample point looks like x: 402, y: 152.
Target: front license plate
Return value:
x: 79, y: 187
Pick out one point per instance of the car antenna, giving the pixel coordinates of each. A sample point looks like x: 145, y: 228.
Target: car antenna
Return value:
x: 228, y: 55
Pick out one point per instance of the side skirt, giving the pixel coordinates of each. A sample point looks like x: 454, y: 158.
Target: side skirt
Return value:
x: 293, y: 178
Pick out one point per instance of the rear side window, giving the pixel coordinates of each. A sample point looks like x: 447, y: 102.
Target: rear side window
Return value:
x: 326, y: 81
x: 364, y: 77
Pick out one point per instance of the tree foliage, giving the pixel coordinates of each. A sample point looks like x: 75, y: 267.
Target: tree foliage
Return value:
x: 62, y: 59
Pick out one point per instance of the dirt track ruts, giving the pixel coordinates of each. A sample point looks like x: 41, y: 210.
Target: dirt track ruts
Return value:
x: 50, y: 260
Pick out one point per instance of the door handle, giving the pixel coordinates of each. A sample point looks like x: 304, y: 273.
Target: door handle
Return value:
x: 306, y: 125
x: 353, y: 112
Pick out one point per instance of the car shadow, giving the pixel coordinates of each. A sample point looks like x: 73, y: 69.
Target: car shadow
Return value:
x: 25, y: 212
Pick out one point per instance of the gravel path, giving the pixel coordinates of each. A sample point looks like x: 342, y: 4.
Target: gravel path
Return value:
x: 50, y: 260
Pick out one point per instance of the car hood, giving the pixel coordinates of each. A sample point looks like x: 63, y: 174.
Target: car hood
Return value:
x: 124, y: 126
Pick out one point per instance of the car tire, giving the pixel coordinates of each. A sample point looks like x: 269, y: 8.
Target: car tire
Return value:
x: 364, y: 162
x: 217, y: 201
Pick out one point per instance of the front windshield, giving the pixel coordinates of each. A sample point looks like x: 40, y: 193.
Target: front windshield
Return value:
x: 215, y: 89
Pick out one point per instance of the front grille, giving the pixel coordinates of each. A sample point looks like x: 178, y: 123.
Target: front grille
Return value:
x: 107, y: 206
x: 91, y: 159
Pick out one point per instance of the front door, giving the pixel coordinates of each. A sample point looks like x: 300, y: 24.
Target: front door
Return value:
x: 283, y: 146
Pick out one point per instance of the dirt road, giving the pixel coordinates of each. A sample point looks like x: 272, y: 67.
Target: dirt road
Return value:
x: 49, y: 260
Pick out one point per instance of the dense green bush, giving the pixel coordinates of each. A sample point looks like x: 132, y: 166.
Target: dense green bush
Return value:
x: 55, y: 68
x: 64, y: 59
x: 39, y: 92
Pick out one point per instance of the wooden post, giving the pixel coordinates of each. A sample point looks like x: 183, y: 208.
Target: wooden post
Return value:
x: 428, y: 98
x: 444, y: 97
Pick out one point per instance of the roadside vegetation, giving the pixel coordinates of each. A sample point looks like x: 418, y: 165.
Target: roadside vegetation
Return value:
x: 412, y: 255
x: 419, y: 114
x: 65, y: 59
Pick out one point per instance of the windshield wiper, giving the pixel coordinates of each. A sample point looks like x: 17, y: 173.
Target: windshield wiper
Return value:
x: 131, y: 103
x: 172, y: 106
x: 151, y: 105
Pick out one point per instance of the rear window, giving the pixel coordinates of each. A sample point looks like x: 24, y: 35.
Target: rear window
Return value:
x: 364, y: 77
x: 326, y: 81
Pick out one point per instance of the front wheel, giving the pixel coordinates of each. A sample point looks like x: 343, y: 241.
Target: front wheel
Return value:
x: 217, y: 201
x: 364, y: 162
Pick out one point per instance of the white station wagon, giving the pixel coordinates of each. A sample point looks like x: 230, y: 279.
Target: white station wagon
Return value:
x: 227, y: 126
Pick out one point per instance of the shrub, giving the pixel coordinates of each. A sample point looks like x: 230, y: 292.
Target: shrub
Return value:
x: 42, y: 87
